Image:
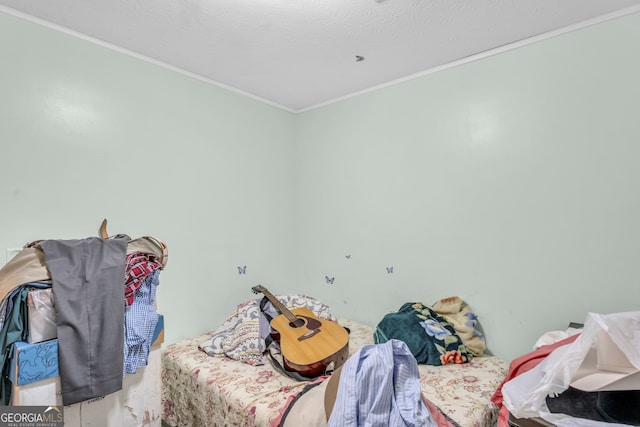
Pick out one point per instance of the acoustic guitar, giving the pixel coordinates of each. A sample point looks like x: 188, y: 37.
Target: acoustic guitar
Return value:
x: 309, y: 345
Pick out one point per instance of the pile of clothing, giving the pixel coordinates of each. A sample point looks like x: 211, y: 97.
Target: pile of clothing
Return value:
x: 104, y: 292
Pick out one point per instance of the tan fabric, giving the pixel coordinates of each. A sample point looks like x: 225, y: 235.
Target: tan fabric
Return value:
x: 308, y: 410
x: 150, y: 245
x: 313, y: 408
x: 28, y: 266
x: 331, y: 391
x: 455, y: 311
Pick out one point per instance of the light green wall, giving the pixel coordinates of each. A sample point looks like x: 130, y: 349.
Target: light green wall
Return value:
x: 87, y: 133
x: 511, y: 181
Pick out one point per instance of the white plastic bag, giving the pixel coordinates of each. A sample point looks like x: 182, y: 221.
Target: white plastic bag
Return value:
x: 525, y: 395
x: 42, y: 315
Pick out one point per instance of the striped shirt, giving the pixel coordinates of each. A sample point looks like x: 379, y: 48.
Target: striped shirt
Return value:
x: 380, y: 386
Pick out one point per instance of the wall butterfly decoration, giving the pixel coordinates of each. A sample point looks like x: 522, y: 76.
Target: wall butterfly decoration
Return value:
x: 329, y: 279
x: 389, y: 270
x: 242, y: 270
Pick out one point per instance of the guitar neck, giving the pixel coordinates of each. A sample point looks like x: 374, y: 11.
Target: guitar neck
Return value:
x: 276, y: 303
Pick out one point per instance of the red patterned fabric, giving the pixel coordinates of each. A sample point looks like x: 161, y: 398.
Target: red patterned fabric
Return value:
x: 139, y: 265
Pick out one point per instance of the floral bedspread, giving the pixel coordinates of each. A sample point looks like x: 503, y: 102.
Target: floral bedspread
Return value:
x: 463, y: 391
x: 203, y: 390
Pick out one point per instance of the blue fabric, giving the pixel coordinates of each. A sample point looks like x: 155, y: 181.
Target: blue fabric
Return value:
x: 380, y: 386
x: 140, y: 322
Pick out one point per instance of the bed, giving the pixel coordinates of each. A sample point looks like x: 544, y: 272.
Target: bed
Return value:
x: 201, y: 390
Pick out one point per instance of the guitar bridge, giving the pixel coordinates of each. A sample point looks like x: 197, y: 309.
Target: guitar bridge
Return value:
x: 308, y: 334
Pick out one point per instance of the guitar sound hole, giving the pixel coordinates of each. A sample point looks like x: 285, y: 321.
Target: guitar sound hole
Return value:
x: 298, y: 323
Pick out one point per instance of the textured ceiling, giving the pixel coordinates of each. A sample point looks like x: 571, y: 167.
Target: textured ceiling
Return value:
x: 299, y: 54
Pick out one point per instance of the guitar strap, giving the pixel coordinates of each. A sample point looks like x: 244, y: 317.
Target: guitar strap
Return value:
x: 275, y: 355
x: 263, y: 303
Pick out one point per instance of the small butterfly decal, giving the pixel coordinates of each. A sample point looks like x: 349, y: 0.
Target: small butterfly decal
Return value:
x: 329, y: 279
x: 242, y: 270
x: 389, y: 269
x: 348, y: 256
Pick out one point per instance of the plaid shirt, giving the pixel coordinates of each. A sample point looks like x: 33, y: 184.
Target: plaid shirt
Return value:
x: 140, y: 320
x: 139, y: 266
